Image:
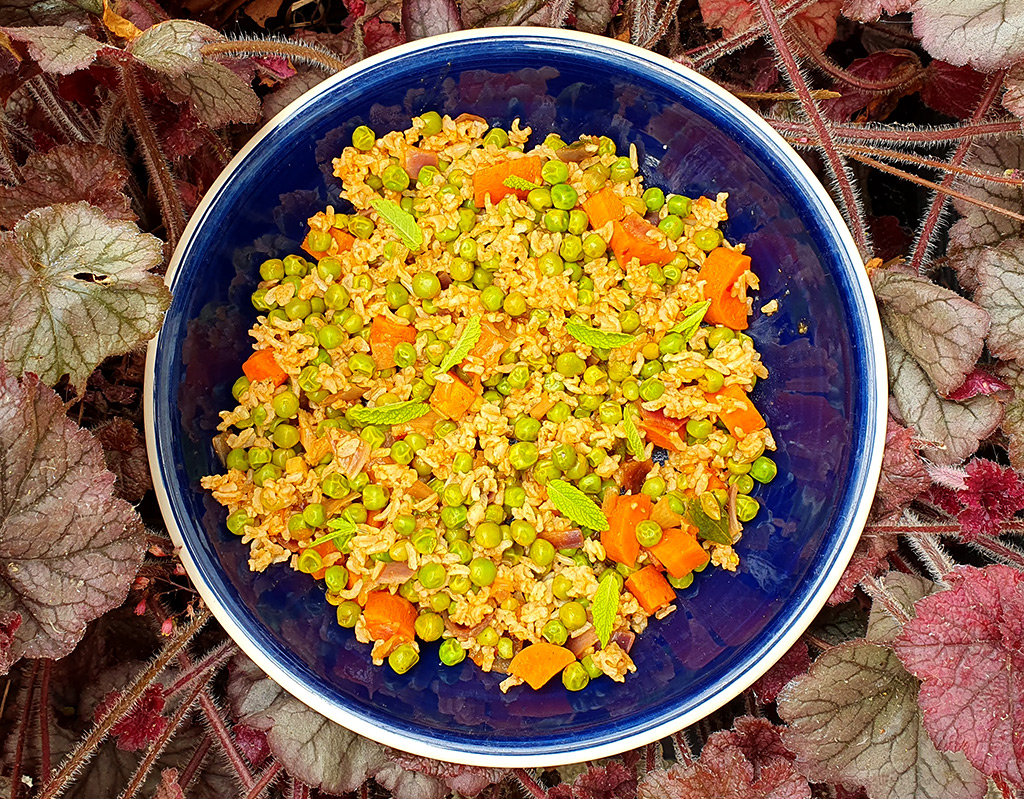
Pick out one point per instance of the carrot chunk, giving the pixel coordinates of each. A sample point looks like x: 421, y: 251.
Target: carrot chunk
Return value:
x: 630, y: 240
x: 384, y: 335
x: 663, y: 431
x: 491, y: 344
x: 741, y: 420
x: 604, y: 207
x: 650, y: 588
x: 491, y: 180
x: 262, y: 365
x: 720, y: 271
x: 345, y: 241
x: 539, y: 662
x: 679, y: 551
x: 452, y: 399
x: 388, y: 615
x: 619, y: 540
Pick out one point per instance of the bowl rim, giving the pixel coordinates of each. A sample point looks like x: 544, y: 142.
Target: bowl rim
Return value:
x: 855, y: 521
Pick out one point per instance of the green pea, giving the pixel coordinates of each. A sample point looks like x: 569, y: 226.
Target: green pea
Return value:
x: 595, y: 177
x: 361, y: 227
x: 461, y: 270
x: 468, y: 249
x: 556, y: 220
x: 467, y: 217
x: 361, y: 363
x: 496, y: 137
x: 673, y: 274
x: 404, y: 354
x: 554, y: 172
x: 309, y: 379
x: 592, y: 669
x: 711, y: 381
x: 545, y: 471
x: 575, y: 676
x: 375, y: 497
x: 482, y: 571
x: 542, y: 552
x: 610, y: 413
x: 572, y: 615
x: 763, y: 469
x: 298, y: 309
x: 671, y: 226
x: 594, y: 246
x: 519, y: 376
x: 651, y: 389
x: 589, y: 402
x: 237, y: 459
x: 515, y: 497
x: 403, y: 658
x: 353, y: 324
x: 514, y: 304
x: 487, y: 535
x: 539, y: 199
x: 239, y: 387
x: 593, y: 375
x: 648, y: 533
x: 654, y: 198
x: 348, y: 613
x: 506, y: 648
x: 444, y: 427
x: 454, y: 516
x: 310, y: 561
x: 395, y: 178
x: 621, y: 170
x: 462, y: 462
x: 555, y: 632
x: 578, y: 221
x: 563, y: 196
x: 522, y: 532
x: 654, y: 487
x: 570, y: 364
x: 590, y: 483
x: 656, y: 275
x: 707, y: 238
x: 746, y: 508
x: 313, y: 515
x: 432, y: 575
x: 451, y: 652
x: 396, y: 295
x: 426, y: 175
x: 429, y: 626
x: 272, y: 269
x: 699, y: 428
x: 356, y: 513
x: 571, y: 248
x: 563, y: 456
x: 363, y: 138
x: 334, y: 485
x: 431, y: 123
x: 744, y: 483
x: 559, y: 412
x: 492, y: 298
x: 401, y: 452
x: 336, y: 578
x: 523, y: 454
x: 295, y: 266
x: 425, y: 285
x: 526, y: 429
x: 285, y: 436
x: 238, y: 521
x: 719, y: 335
x: 679, y: 205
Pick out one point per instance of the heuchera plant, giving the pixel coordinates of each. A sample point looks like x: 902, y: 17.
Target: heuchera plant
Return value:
x: 116, y: 115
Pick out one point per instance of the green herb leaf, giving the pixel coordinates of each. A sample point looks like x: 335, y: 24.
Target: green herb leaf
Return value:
x: 470, y: 336
x: 604, y: 607
x: 522, y: 184
x: 575, y: 505
x: 403, y: 222
x: 396, y: 413
x: 592, y: 337
x: 692, y: 317
x: 340, y: 528
x: 634, y: 441
x: 716, y: 530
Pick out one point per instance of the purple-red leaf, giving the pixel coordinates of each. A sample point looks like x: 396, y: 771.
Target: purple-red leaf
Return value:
x: 143, y: 724
x: 66, y: 174
x: 748, y: 762
x: 869, y: 557
x: 870, y: 10
x: 817, y: 22
x: 124, y: 451
x: 57, y: 49
x: 1013, y: 96
x: 988, y: 34
x: 466, y: 780
x: 904, y: 590
x: 978, y: 382
x: 992, y: 494
x: 1013, y: 420
x: 884, y: 66
x: 169, y: 787
x: 422, y: 18
x: 953, y: 91
x: 1000, y: 273
x: 953, y: 430
x: 904, y: 476
x: 942, y: 330
x: 69, y: 548
x: 854, y: 719
x: 965, y: 645
x: 790, y: 666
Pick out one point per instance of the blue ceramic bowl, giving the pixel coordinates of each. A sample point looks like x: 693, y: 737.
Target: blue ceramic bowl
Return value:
x: 825, y: 399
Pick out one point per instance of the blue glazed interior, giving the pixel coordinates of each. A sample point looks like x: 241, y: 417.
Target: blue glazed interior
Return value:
x: 818, y: 400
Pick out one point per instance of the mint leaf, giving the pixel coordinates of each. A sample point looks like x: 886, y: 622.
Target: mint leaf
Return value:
x: 576, y: 506
x: 964, y: 644
x: 987, y: 34
x: 942, y: 330
x: 340, y: 528
x: 692, y: 317
x: 69, y: 548
x: 634, y: 441
x: 467, y: 340
x: 1000, y: 274
x: 78, y: 288
x: 522, y: 184
x: 403, y: 222
x: 396, y: 413
x: 953, y: 429
x: 716, y: 530
x: 602, y: 339
x: 604, y: 607
x: 55, y: 49
x: 855, y: 719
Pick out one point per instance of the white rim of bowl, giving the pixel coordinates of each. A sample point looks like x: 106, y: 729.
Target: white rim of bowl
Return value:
x: 796, y: 627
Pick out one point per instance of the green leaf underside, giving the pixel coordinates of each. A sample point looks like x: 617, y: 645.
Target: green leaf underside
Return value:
x: 396, y: 413
x: 634, y: 440
x: 716, y: 530
x: 340, y: 528
x: 470, y: 336
x: 403, y: 222
x: 592, y: 337
x: 692, y: 317
x: 576, y: 506
x: 604, y: 607
x: 522, y: 184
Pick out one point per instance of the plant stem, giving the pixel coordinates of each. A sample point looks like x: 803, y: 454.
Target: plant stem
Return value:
x: 529, y: 784
x: 45, y: 752
x: 816, y: 55
x: 267, y: 777
x: 706, y: 55
x: 994, y: 548
x: 213, y: 659
x: 8, y: 163
x: 195, y: 763
x: 87, y: 746
x: 940, y: 135
x: 930, y: 163
x: 832, y: 156
x: 935, y: 557
x: 23, y: 726
x: 156, y: 165
x: 299, y: 789
x: 54, y: 106
x: 684, y: 752
x: 649, y: 759
x: 227, y: 744
x: 879, y: 593
x: 924, y: 238
x: 666, y: 22
x: 254, y: 48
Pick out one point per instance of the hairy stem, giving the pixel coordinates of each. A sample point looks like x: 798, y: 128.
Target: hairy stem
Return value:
x: 45, y: 753
x: 936, y: 559
x: 941, y: 135
x: 930, y: 163
x: 667, y: 18
x: 227, y: 744
x: 156, y: 165
x: 684, y: 751
x: 924, y: 238
x: 158, y: 746
x: 299, y: 789
x: 817, y: 56
x: 57, y: 110
x: 254, y: 48
x: 194, y: 763
x: 832, y: 156
x: 268, y: 776
x: 24, y: 723
x: 9, y: 168
x: 998, y: 550
x: 211, y: 661
x: 88, y: 745
x: 880, y: 594
x: 529, y: 784
x: 650, y: 759
x: 706, y: 55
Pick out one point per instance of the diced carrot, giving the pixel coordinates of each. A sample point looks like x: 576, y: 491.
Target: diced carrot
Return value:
x: 491, y: 344
x: 544, y: 404
x: 452, y: 399
x: 619, y: 540
x: 491, y: 180
x: 388, y: 616
x: 262, y: 365
x: 679, y: 551
x: 424, y: 425
x: 650, y: 588
x: 715, y: 482
x: 663, y: 431
x: 742, y: 420
x: 604, y: 207
x: 345, y: 241
x: 720, y: 271
x: 384, y: 335
x: 420, y: 490
x: 630, y: 240
x: 539, y: 662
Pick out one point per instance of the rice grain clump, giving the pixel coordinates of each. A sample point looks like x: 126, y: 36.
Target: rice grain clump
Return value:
x: 502, y: 404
